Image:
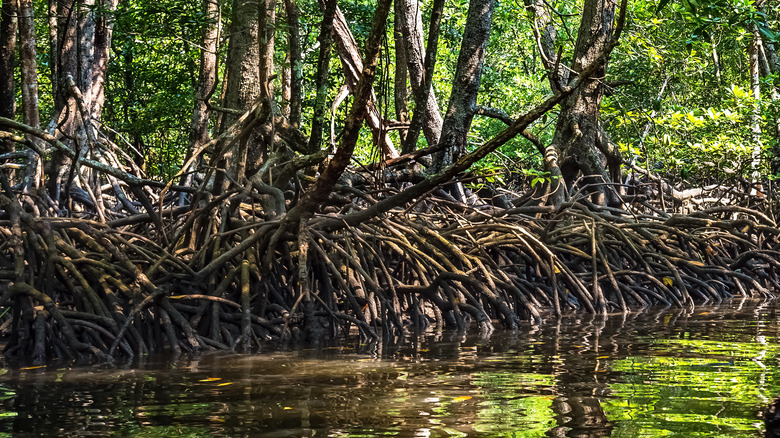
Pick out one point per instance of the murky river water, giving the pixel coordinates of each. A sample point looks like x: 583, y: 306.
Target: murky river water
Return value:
x: 662, y: 373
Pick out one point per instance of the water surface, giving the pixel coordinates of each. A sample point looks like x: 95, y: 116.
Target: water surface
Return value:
x: 706, y: 373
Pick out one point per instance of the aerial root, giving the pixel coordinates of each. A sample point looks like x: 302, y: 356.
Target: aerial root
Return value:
x: 86, y: 289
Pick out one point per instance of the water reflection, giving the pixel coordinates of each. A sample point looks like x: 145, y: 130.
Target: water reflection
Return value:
x: 701, y: 374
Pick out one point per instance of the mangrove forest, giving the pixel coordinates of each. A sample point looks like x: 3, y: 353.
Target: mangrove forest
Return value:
x: 182, y: 176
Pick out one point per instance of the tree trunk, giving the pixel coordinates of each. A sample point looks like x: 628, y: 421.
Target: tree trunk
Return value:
x: 296, y: 63
x: 754, y: 52
x: 54, y: 50
x: 266, y: 33
x: 84, y: 31
x: 96, y: 81
x: 401, y: 77
x: 546, y: 37
x: 357, y: 115
x: 29, y: 69
x: 8, y: 26
x: 353, y: 68
x: 578, y: 132
x: 773, y: 67
x: 321, y: 80
x: 29, y: 66
x: 769, y: 45
x: 409, y: 17
x: 261, y: 145
x: 242, y: 87
x: 207, y: 76
x: 465, y: 86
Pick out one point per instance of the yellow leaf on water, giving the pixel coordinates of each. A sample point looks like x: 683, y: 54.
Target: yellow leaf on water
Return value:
x: 286, y: 408
x: 210, y: 379
x: 33, y: 368
x: 176, y: 297
x: 603, y: 357
x: 225, y: 384
x: 461, y: 398
x: 668, y: 281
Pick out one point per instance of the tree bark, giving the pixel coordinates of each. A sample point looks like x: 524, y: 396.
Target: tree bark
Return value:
x: 420, y: 64
x: 29, y: 69
x: 465, y: 86
x: 207, y: 76
x: 8, y: 25
x: 104, y: 30
x: 321, y: 80
x: 754, y: 52
x: 578, y: 132
x: 769, y: 45
x: 357, y: 115
x: 267, y: 40
x: 353, y: 68
x: 84, y: 33
x: 242, y: 87
x: 546, y: 37
x: 296, y: 63
x: 773, y: 67
x: 54, y: 50
x: 401, y: 77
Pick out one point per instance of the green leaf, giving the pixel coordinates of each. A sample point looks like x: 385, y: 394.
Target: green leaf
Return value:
x: 661, y: 5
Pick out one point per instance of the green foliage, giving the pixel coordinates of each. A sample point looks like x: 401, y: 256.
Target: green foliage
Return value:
x: 699, y: 127
x: 699, y: 130
x: 151, y: 77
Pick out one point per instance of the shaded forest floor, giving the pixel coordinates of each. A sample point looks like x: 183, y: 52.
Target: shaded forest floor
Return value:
x: 221, y: 274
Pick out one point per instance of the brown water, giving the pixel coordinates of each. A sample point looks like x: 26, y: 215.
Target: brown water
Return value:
x: 663, y: 373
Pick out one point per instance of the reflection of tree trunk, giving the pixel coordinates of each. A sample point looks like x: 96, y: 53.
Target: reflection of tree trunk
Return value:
x: 7, y: 57
x: 583, y: 417
x: 578, y: 133
x: 353, y: 66
x: 465, y: 85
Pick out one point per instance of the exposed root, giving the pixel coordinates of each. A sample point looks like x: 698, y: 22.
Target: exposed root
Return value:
x: 80, y: 288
